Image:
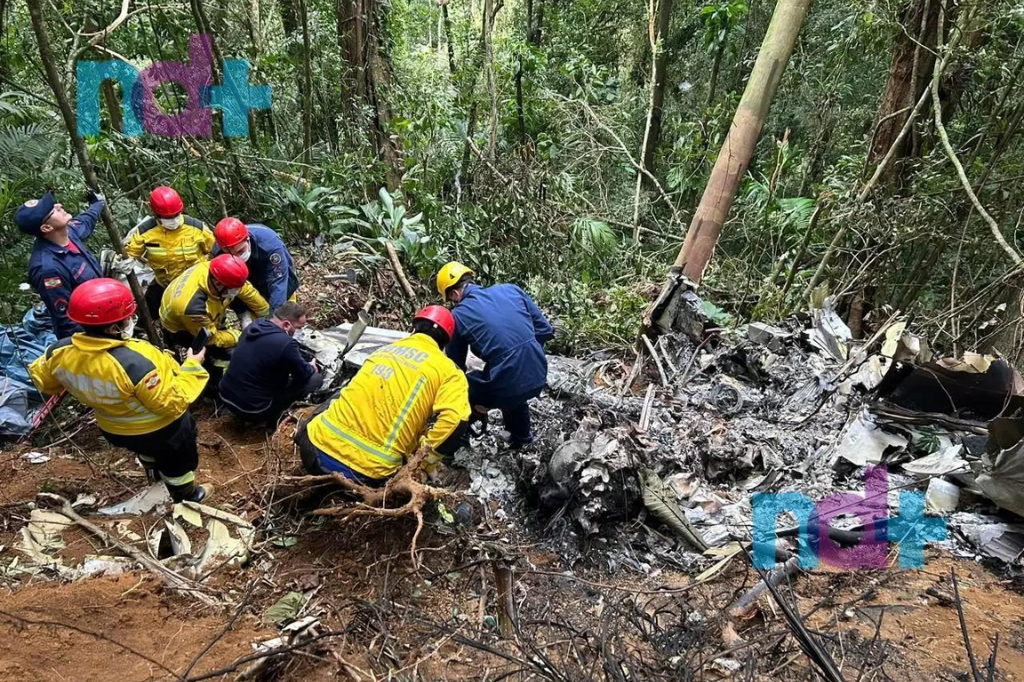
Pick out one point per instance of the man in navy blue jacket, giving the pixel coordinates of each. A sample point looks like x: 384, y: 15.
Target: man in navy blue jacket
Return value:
x: 267, y: 373
x: 60, y: 261
x: 271, y: 268
x: 504, y: 328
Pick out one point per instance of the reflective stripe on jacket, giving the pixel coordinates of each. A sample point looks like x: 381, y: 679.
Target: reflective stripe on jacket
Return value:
x: 133, y: 387
x: 380, y: 416
x: 170, y: 252
x: 188, y: 305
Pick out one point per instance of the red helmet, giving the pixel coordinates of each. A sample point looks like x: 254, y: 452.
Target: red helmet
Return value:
x: 100, y: 302
x: 230, y: 231
x: 165, y: 202
x: 440, y: 316
x: 230, y: 271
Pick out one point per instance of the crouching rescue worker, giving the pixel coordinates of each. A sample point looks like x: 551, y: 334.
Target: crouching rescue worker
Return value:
x: 169, y: 242
x: 199, y: 298
x: 139, y: 394
x: 267, y: 373
x: 271, y: 268
x: 504, y: 328
x: 405, y: 392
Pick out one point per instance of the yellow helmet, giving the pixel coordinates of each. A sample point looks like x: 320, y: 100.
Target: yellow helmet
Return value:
x: 450, y: 275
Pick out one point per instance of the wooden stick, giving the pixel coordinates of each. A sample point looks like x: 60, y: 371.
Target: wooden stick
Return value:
x: 172, y: 579
x: 396, y: 265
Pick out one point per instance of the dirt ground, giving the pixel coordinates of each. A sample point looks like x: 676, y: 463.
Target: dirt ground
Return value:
x: 387, y: 620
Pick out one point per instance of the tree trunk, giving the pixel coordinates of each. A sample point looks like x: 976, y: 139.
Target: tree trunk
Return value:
x: 307, y: 89
x: 3, y: 59
x: 82, y: 154
x: 449, y: 39
x: 713, y: 81
x: 289, y: 19
x: 660, y: 64
x: 492, y: 86
x: 909, y: 74
x: 734, y: 158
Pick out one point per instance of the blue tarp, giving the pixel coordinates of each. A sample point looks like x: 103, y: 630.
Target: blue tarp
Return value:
x: 21, y: 344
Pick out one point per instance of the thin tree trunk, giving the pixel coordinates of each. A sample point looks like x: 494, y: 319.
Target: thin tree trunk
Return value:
x: 307, y: 89
x: 660, y: 66
x: 448, y: 37
x: 713, y: 81
x: 492, y: 87
x: 82, y: 154
x: 520, y: 113
x: 732, y: 163
x: 3, y: 59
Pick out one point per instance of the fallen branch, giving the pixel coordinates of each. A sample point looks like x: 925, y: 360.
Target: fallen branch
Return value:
x: 173, y: 580
x: 396, y: 265
x: 743, y: 607
x: 975, y: 673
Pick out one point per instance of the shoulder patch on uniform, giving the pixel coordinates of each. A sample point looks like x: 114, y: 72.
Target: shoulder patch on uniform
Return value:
x: 52, y: 283
x: 31, y: 203
x: 153, y: 381
x: 275, y: 258
x: 61, y: 305
x: 135, y: 364
x: 197, y: 304
x: 62, y: 343
x: 146, y: 225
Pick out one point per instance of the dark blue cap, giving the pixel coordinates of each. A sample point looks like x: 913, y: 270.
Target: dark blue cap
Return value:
x: 31, y: 215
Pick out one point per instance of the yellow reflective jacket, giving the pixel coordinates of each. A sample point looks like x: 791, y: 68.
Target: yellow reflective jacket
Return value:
x: 188, y: 306
x: 133, y: 387
x: 170, y: 252
x: 383, y: 412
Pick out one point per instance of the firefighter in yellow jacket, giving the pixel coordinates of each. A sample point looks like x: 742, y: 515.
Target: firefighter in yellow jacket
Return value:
x: 380, y: 417
x: 140, y: 395
x: 169, y: 242
x: 199, y: 299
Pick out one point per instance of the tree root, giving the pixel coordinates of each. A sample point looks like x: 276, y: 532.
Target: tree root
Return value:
x: 407, y: 487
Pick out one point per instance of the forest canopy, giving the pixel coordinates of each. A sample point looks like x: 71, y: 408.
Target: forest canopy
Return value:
x: 566, y: 145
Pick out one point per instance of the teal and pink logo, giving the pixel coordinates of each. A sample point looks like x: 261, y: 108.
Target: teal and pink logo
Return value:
x: 909, y: 529
x: 140, y: 110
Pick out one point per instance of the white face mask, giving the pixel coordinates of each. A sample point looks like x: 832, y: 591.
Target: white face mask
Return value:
x: 231, y: 293
x: 128, y: 330
x: 245, y: 255
x: 170, y: 223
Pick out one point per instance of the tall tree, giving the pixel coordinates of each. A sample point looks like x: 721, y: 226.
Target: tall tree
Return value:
x: 913, y: 59
x: 734, y: 158
x: 81, y: 153
x: 307, y: 88
x: 655, y: 111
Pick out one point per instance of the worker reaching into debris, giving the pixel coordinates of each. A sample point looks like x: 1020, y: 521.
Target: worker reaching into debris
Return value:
x: 60, y: 261
x: 198, y: 300
x: 169, y: 242
x: 271, y: 267
x: 504, y: 328
x: 267, y: 373
x: 380, y: 418
x: 139, y: 394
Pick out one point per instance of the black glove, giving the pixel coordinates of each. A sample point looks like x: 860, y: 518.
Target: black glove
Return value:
x: 92, y: 196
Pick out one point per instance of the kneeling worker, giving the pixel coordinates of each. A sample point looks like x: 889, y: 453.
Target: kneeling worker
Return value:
x: 139, y: 394
x: 199, y: 299
x: 379, y: 418
x: 267, y: 373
